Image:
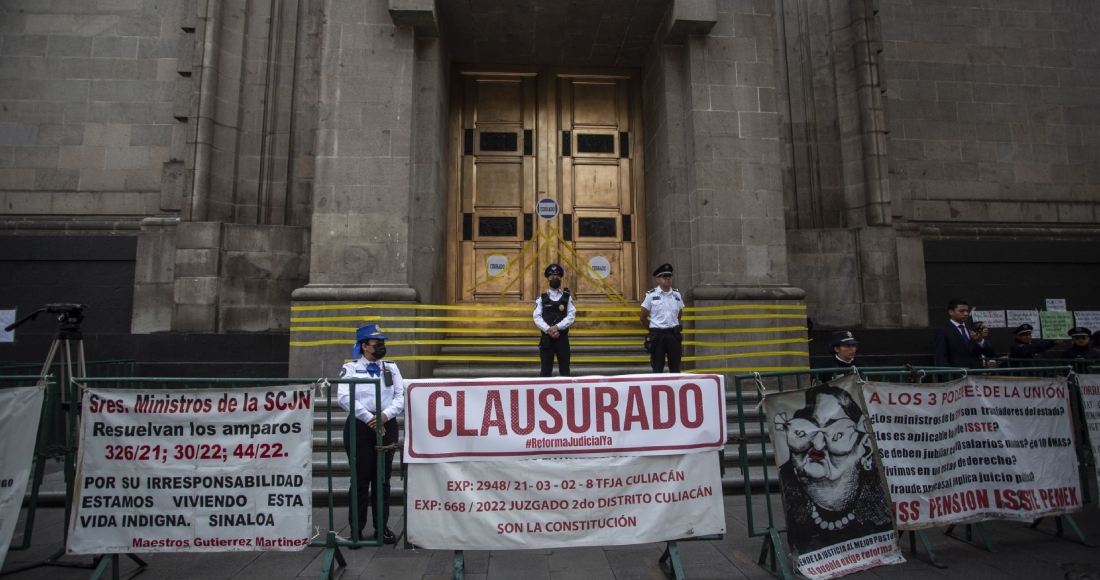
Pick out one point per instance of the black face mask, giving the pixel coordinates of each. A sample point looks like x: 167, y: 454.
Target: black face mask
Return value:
x: 379, y: 351
x: 555, y: 284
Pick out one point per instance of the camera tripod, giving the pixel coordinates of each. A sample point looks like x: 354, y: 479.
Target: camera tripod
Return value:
x: 61, y: 428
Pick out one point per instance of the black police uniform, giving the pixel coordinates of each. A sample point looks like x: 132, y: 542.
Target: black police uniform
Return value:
x: 1075, y: 351
x: 554, y: 308
x: 1027, y: 350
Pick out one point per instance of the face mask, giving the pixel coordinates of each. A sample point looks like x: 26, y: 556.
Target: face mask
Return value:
x: 379, y: 351
x: 555, y: 284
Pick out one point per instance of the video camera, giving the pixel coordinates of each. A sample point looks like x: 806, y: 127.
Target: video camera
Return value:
x: 69, y: 316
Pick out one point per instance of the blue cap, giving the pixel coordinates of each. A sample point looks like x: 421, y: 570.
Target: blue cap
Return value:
x: 365, y: 333
x: 553, y: 269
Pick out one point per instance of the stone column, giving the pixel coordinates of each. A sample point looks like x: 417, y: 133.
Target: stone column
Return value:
x: 731, y: 203
x: 361, y: 239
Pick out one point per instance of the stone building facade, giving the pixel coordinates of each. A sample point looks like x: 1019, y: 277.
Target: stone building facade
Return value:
x: 866, y: 158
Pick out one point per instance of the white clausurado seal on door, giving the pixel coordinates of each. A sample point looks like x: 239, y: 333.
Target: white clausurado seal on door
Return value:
x: 600, y: 266
x: 547, y: 208
x: 497, y: 264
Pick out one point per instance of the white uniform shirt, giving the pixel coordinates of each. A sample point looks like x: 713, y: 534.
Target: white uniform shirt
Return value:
x: 393, y: 397
x: 570, y: 315
x: 664, y: 307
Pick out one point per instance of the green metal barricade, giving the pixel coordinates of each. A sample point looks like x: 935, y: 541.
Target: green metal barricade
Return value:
x: 97, y: 368
x: 42, y: 449
x: 749, y: 387
x: 332, y: 542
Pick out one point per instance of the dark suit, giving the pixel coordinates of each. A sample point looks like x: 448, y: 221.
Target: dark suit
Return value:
x: 952, y: 350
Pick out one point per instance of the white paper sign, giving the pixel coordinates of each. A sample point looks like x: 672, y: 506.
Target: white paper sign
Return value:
x: 20, y: 409
x: 1014, y: 318
x: 1090, y: 395
x: 194, y: 470
x: 991, y: 318
x: 499, y: 419
x: 7, y: 317
x: 496, y: 264
x: 600, y: 266
x: 1056, y: 304
x: 1090, y: 319
x: 568, y: 502
x: 975, y: 449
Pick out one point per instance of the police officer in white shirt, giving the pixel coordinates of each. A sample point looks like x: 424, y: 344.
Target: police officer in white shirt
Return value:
x: 660, y: 313
x: 554, y: 313
x: 370, y: 348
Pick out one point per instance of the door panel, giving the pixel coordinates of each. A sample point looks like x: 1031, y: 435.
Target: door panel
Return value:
x: 522, y: 135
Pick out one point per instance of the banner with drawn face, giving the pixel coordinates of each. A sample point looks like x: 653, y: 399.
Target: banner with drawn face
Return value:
x: 838, y: 511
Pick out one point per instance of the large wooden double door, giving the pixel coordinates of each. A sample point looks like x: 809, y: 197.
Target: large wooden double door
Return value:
x: 524, y: 143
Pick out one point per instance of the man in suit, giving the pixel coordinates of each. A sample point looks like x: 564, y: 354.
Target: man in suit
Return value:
x: 957, y: 345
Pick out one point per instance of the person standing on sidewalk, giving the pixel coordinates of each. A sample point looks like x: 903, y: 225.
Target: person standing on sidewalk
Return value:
x: 660, y: 313
x: 370, y: 349
x: 554, y: 313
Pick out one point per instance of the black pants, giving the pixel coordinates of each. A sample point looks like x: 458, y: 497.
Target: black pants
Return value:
x: 666, y: 341
x: 548, y: 347
x: 366, y: 464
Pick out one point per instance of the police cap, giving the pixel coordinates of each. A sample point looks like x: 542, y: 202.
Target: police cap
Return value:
x: 552, y: 269
x: 1024, y: 328
x: 662, y: 270
x: 843, y: 337
x: 1079, y: 331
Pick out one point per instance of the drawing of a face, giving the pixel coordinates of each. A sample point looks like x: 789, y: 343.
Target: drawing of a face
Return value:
x: 828, y: 448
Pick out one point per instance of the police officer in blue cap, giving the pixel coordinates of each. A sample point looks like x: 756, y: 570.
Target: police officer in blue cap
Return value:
x: 554, y: 313
x: 370, y: 349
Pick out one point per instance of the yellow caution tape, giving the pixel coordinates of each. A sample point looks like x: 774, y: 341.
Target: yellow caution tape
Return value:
x: 745, y: 307
x: 746, y: 355
x: 572, y: 331
x: 706, y: 344
x: 744, y: 317
x: 381, y: 318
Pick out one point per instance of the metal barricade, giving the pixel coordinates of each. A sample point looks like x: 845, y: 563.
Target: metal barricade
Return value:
x: 42, y: 449
x: 749, y: 388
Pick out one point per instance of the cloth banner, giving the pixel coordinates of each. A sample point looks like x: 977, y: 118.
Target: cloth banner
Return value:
x: 20, y: 410
x: 975, y: 449
x: 1090, y: 398
x: 193, y: 470
x: 513, y: 419
x: 567, y: 502
x: 835, y: 500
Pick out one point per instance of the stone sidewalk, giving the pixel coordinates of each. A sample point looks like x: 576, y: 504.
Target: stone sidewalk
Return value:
x: 1022, y: 552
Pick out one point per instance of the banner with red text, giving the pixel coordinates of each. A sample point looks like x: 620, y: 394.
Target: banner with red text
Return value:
x: 195, y: 470
x: 837, y: 510
x: 20, y: 410
x: 511, y: 419
x: 1090, y: 398
x: 565, y: 502
x: 977, y: 448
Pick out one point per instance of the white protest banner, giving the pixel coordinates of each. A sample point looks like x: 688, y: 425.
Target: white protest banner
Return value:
x: 1090, y: 396
x: 190, y: 470
x: 566, y: 502
x: 20, y: 409
x: 837, y: 509
x: 1056, y: 304
x: 976, y: 449
x: 1090, y: 319
x: 505, y: 419
x: 1014, y: 318
x: 991, y: 318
